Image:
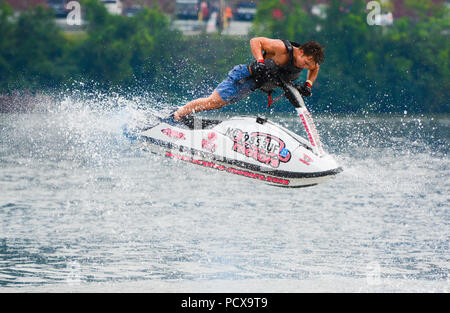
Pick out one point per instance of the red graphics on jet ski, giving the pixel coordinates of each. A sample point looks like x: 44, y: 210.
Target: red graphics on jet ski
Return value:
x: 250, y: 147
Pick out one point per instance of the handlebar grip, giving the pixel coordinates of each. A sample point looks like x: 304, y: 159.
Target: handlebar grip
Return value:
x: 292, y: 94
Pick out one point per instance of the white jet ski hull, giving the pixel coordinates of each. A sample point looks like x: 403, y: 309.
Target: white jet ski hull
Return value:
x: 247, y: 147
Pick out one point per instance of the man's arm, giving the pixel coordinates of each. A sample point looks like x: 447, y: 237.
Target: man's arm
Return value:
x: 305, y: 89
x: 312, y: 74
x: 260, y: 44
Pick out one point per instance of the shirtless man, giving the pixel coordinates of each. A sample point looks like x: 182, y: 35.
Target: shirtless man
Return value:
x: 286, y: 58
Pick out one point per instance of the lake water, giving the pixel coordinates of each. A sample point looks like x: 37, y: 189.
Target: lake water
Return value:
x: 83, y: 209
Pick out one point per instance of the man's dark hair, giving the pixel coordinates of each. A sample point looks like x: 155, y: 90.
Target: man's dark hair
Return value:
x: 315, y: 49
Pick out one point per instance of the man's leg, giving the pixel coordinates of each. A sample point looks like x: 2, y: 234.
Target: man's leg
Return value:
x: 214, y: 101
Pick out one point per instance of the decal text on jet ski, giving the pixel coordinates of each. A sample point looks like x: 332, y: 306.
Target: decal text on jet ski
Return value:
x: 262, y: 147
x: 208, y: 144
x: 173, y: 133
x: 231, y: 170
x: 306, y: 159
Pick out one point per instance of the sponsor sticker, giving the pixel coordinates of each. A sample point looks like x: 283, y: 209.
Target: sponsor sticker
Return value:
x: 306, y: 159
x: 208, y: 144
x: 262, y: 147
x: 173, y: 133
x: 284, y: 152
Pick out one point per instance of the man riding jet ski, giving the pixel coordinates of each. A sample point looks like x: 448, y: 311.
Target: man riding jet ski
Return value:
x: 275, y: 59
x: 255, y: 148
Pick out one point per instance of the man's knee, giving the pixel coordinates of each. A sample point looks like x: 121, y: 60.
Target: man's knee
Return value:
x: 216, y: 100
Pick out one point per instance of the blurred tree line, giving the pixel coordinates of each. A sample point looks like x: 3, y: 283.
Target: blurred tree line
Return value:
x: 128, y: 55
x: 371, y: 68
x: 367, y: 68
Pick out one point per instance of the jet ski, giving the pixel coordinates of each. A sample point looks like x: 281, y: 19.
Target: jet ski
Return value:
x: 251, y: 147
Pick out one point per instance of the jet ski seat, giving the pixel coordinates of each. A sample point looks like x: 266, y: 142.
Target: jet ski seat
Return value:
x: 194, y: 123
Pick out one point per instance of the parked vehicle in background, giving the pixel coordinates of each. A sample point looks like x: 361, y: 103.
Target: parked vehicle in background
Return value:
x: 58, y: 7
x: 113, y: 6
x: 186, y: 9
x: 132, y: 11
x: 245, y: 11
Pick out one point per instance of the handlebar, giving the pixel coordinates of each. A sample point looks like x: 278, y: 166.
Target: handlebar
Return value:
x: 292, y: 94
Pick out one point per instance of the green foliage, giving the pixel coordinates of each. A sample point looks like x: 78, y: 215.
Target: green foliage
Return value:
x: 371, y: 68
x: 119, y: 50
x: 6, y: 44
x: 367, y: 68
x: 31, y: 49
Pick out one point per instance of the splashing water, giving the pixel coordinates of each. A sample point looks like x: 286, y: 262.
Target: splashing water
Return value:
x: 83, y: 209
